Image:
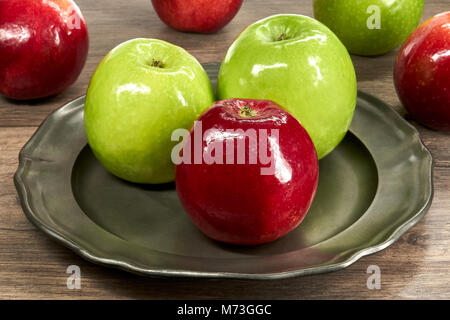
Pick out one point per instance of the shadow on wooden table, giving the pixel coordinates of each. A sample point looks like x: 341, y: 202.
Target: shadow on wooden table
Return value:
x: 375, y: 68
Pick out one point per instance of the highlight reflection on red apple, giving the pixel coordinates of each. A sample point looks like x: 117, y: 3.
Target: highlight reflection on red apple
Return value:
x: 422, y: 73
x: 43, y: 47
x: 248, y: 172
x: 204, y: 16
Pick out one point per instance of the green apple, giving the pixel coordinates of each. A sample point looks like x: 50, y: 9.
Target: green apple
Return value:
x: 140, y: 93
x: 370, y: 27
x: 299, y: 63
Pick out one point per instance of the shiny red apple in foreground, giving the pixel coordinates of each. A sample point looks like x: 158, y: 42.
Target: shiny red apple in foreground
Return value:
x: 422, y: 73
x: 204, y: 16
x: 248, y: 172
x: 43, y: 47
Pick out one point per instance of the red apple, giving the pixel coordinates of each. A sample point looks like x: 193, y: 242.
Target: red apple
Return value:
x: 43, y: 47
x: 203, y: 16
x: 260, y: 185
x: 422, y: 73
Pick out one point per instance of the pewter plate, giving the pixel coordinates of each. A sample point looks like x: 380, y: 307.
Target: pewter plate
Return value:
x: 372, y: 188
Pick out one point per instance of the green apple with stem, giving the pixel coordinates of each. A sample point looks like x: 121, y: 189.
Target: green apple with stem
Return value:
x: 139, y: 94
x: 370, y: 27
x: 299, y: 63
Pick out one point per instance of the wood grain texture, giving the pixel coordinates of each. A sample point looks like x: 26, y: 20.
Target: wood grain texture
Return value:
x: 33, y: 266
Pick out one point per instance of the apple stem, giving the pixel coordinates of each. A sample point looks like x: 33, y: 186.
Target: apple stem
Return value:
x: 247, y: 112
x: 281, y: 37
x: 156, y: 63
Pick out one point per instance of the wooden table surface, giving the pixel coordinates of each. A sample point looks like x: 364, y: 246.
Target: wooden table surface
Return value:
x: 34, y: 266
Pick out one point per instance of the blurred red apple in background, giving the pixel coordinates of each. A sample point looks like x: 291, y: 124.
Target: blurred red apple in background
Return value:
x: 248, y: 172
x: 422, y: 73
x: 43, y: 47
x: 203, y: 16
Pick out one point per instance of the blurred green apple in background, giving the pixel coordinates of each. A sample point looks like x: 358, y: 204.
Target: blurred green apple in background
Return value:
x: 140, y: 93
x: 370, y: 27
x: 299, y: 63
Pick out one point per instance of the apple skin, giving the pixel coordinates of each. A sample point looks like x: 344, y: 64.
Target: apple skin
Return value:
x: 42, y: 47
x: 422, y: 73
x: 310, y: 73
x: 234, y: 203
x: 202, y: 16
x: 140, y: 93
x: 348, y: 20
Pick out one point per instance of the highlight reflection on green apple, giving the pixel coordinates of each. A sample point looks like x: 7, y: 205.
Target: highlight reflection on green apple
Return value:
x: 140, y: 93
x: 299, y: 63
x: 370, y: 27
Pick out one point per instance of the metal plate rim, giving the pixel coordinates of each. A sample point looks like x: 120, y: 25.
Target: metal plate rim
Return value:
x: 110, y: 261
